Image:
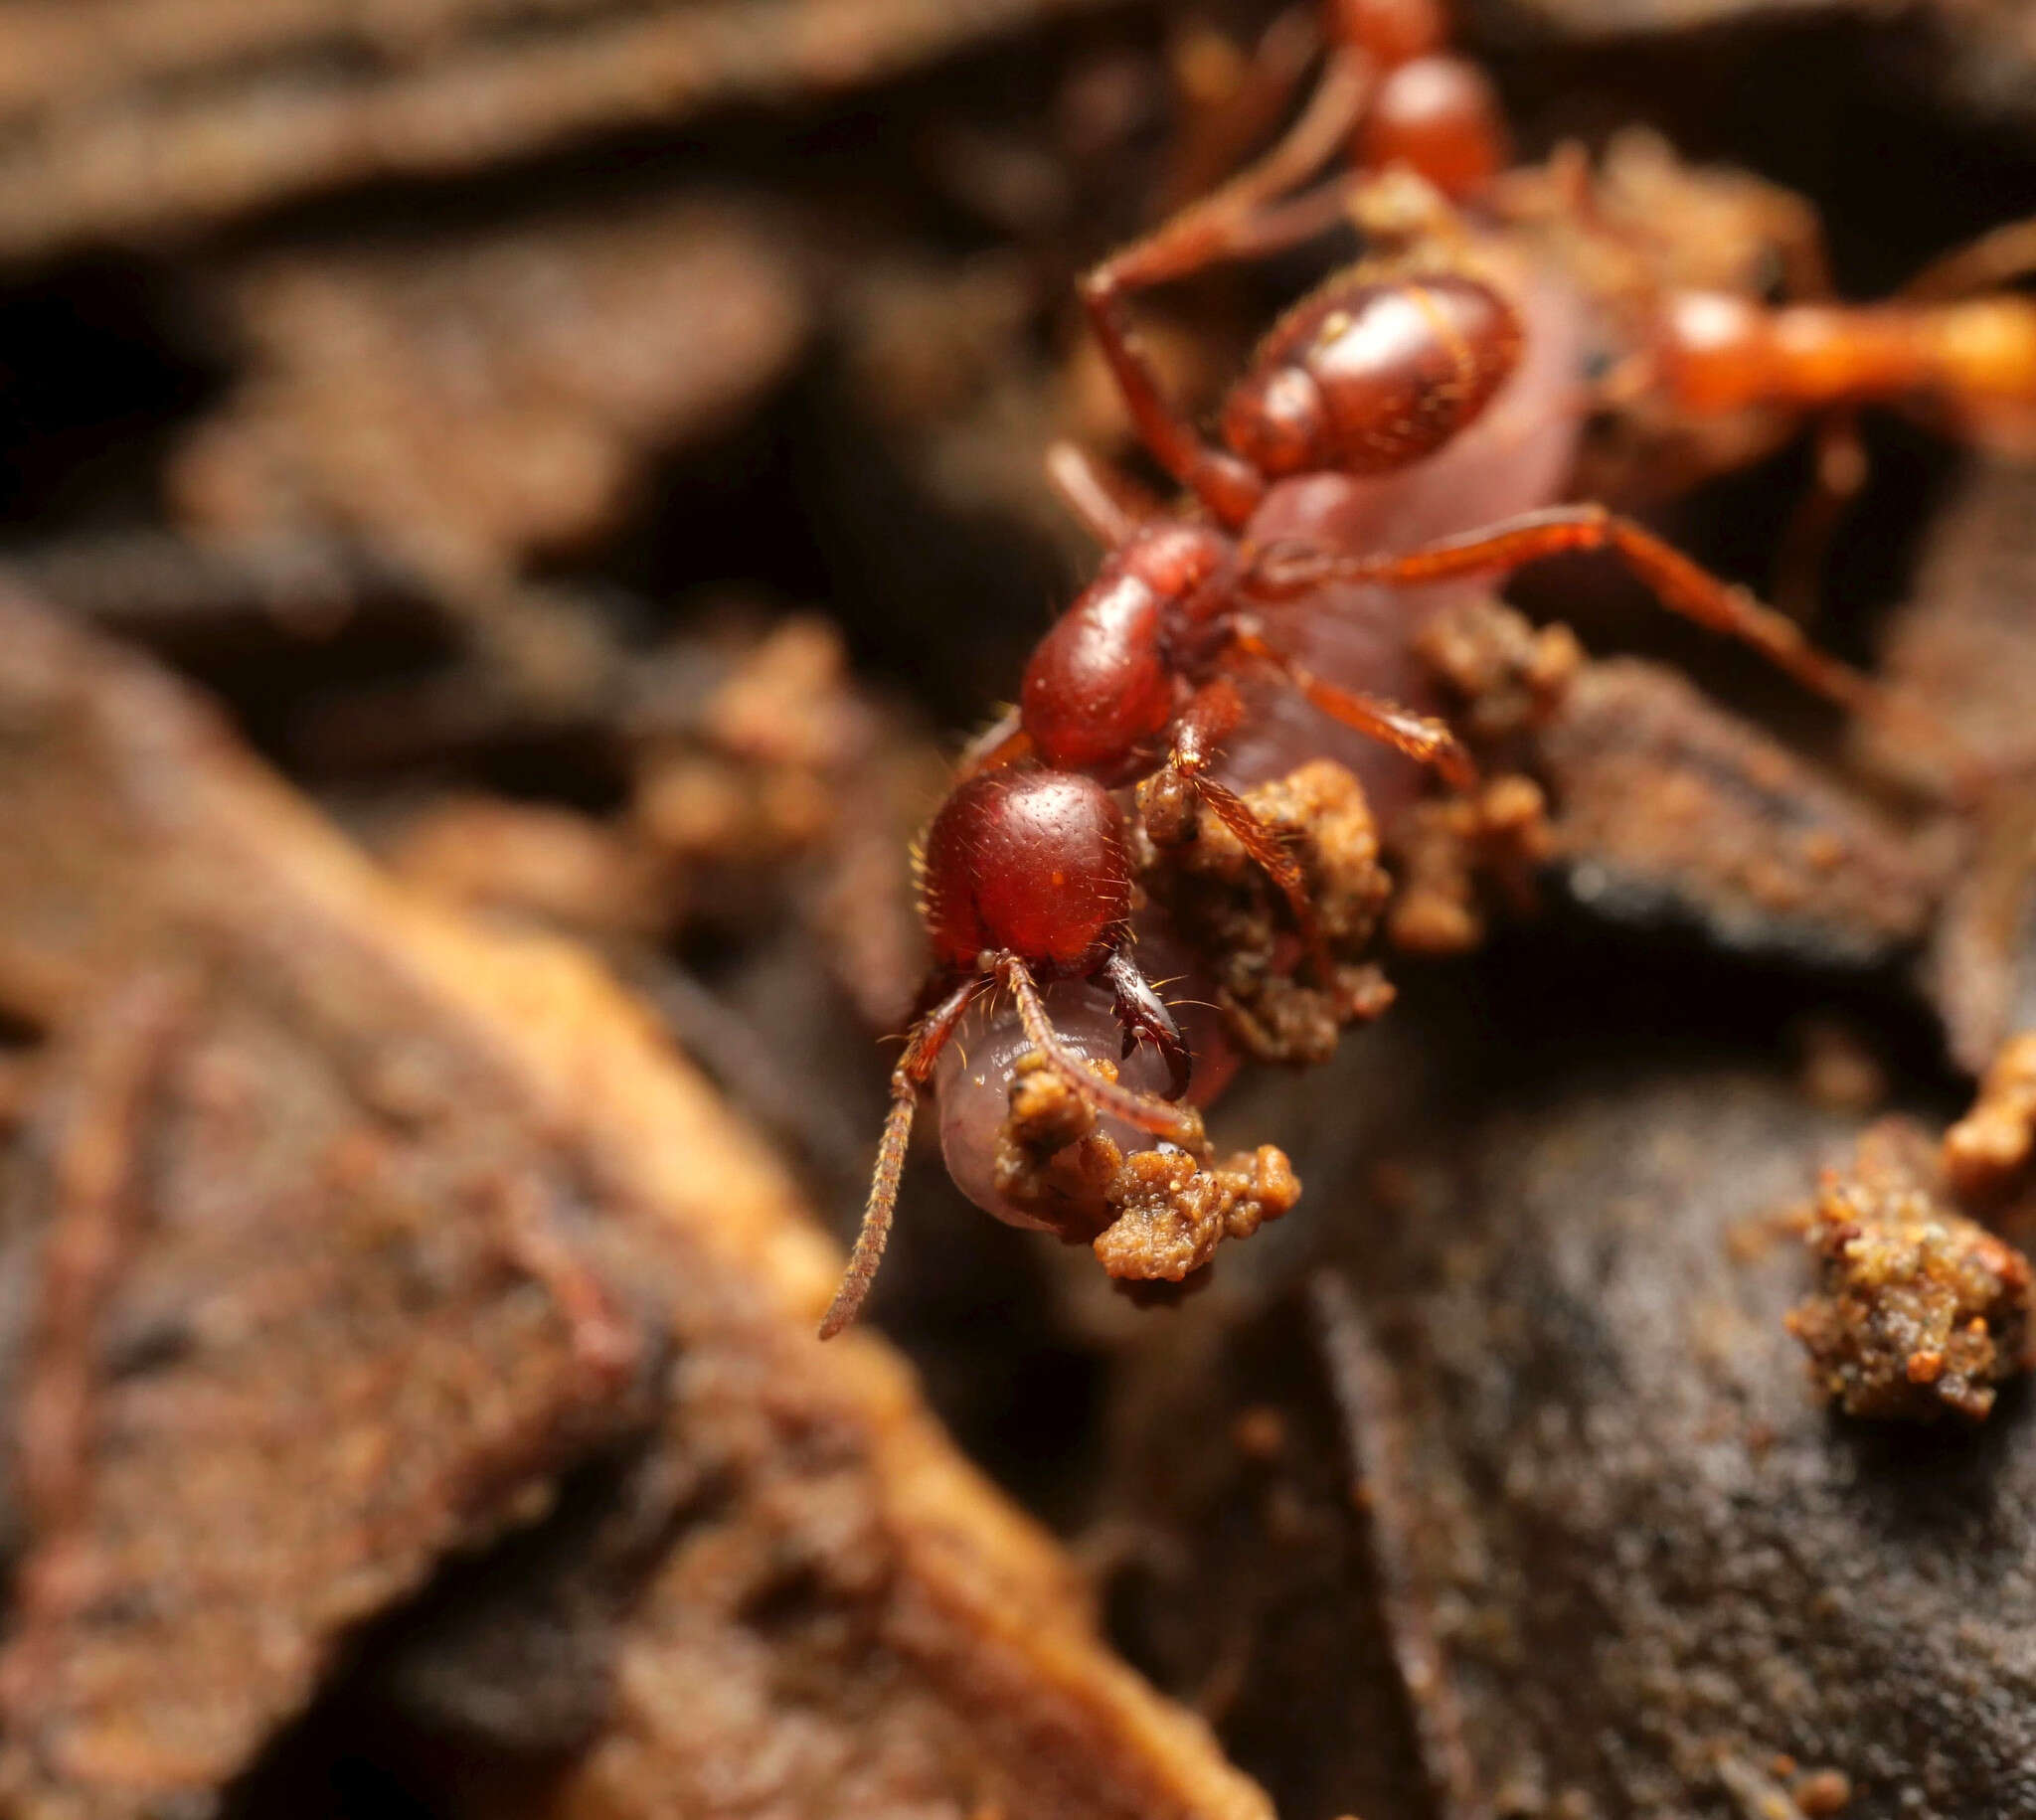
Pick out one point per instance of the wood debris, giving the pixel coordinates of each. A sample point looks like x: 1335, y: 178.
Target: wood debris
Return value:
x: 390, y: 1222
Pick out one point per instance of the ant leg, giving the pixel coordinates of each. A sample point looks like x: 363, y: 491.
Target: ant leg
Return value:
x: 1228, y: 224
x: 2000, y: 256
x: 1684, y: 587
x: 1838, y: 459
x: 1111, y: 505
x: 1419, y: 736
x: 1211, y: 714
x: 915, y: 1069
x: 1838, y: 470
x: 1143, y: 1014
x: 1231, y: 101
x: 1003, y: 741
x: 1142, y: 1111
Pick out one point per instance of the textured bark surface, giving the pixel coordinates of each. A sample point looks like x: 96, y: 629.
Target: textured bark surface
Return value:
x: 594, y: 448
x: 1964, y: 645
x: 1656, y: 1564
x: 1624, y: 1559
x: 142, y: 121
x: 387, y: 1222
x: 1668, y: 809
x: 475, y: 398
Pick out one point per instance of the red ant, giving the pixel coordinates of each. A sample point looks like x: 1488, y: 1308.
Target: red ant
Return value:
x: 1026, y: 874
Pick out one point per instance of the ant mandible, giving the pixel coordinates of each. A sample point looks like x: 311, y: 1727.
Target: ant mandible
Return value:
x: 1025, y: 870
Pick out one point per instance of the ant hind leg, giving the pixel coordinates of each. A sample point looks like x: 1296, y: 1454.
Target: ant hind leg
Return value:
x: 1683, y: 585
x: 1280, y: 572
x: 1237, y: 220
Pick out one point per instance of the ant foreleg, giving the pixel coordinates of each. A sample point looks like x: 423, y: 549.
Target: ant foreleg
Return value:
x: 1419, y: 736
x: 1142, y: 1111
x: 1144, y: 1016
x: 1228, y: 224
x: 1233, y: 100
x: 1211, y: 714
x: 929, y: 1036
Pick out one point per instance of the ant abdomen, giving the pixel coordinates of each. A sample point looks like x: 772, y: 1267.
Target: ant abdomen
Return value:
x: 1030, y: 863
x: 1369, y: 375
x: 973, y: 1081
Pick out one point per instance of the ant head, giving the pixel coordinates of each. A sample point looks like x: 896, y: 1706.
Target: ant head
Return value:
x: 1030, y: 863
x: 1369, y: 375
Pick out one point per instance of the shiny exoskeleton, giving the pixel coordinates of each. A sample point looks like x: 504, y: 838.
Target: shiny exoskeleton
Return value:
x: 1025, y: 870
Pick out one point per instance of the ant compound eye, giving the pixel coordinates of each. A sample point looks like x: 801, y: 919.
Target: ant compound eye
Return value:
x: 1277, y: 421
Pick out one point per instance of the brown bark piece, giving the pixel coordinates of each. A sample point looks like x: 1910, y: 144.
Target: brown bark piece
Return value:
x: 299, y: 1323
x: 473, y: 400
x: 148, y: 118
x: 1667, y: 808
x: 394, y: 1182
x: 1654, y: 1562
x: 1964, y: 650
x: 1627, y: 1562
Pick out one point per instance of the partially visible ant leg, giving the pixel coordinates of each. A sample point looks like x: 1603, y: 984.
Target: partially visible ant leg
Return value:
x: 1144, y: 1016
x: 2000, y: 256
x: 929, y: 1036
x: 1419, y: 736
x: 1233, y: 98
x: 1003, y: 741
x: 1838, y: 459
x: 1142, y: 1111
x: 1232, y: 222
x: 1110, y: 505
x: 1683, y: 585
x: 1838, y: 473
x: 1211, y: 715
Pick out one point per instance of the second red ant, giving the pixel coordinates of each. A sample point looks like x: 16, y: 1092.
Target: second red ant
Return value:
x: 1400, y: 382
